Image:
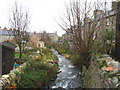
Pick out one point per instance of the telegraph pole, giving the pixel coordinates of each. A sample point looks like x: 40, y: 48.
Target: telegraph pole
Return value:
x: 117, y: 42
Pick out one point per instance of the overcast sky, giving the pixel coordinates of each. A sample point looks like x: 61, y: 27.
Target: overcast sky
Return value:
x: 43, y: 13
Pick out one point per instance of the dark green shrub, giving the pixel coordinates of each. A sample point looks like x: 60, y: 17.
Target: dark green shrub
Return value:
x: 33, y: 79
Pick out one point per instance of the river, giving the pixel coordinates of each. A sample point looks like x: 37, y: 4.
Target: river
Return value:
x: 69, y: 76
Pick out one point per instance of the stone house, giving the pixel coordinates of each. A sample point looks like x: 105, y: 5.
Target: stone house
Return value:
x: 35, y: 39
x: 53, y: 36
x: 38, y: 39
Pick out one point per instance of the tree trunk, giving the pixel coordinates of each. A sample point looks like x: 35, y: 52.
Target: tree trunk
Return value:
x: 20, y: 52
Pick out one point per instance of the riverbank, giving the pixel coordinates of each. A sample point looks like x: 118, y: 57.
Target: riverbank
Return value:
x: 102, y: 73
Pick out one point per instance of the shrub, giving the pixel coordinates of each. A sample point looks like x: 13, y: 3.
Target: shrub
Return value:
x: 61, y: 51
x: 46, y: 51
x: 33, y: 79
x: 102, y: 64
x: 75, y: 59
x: 49, y: 57
x: 37, y: 73
x: 38, y: 58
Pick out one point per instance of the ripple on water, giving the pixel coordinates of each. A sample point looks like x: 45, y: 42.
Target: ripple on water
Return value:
x: 72, y: 77
x: 69, y: 77
x: 71, y: 66
x: 69, y: 72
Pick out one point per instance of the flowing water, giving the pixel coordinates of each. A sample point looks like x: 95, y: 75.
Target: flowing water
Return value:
x: 69, y: 76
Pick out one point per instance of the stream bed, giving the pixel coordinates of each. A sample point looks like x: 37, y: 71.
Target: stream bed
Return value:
x: 69, y: 76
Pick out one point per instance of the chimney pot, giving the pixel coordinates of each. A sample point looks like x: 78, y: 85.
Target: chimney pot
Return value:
x: 5, y: 28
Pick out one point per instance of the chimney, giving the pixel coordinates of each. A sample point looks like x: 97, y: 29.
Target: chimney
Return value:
x: 10, y: 29
x: 55, y: 32
x: 114, y: 5
x: 5, y: 28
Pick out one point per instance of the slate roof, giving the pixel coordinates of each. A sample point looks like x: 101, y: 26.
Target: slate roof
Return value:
x: 6, y: 32
x: 8, y: 45
x: 52, y: 34
x: 49, y: 34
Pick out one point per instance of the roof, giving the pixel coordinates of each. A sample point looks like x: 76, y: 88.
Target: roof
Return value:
x: 8, y: 45
x: 41, y: 34
x: 52, y: 34
x: 6, y: 32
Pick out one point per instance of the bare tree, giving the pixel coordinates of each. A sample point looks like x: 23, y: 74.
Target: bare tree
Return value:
x: 82, y: 27
x: 19, y: 21
x: 44, y: 36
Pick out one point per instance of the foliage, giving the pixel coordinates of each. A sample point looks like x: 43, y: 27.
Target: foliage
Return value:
x: 17, y: 55
x: 37, y: 73
x: 63, y: 48
x: 46, y: 51
x: 17, y: 73
x: 92, y: 53
x: 107, y: 43
x: 22, y: 60
x: 102, y: 64
x: 62, y: 51
x: 108, y: 74
x: 38, y: 58
x: 26, y: 51
x: 110, y: 35
x: 33, y: 79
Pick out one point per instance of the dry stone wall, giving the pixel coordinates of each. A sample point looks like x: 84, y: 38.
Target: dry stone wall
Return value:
x: 6, y: 80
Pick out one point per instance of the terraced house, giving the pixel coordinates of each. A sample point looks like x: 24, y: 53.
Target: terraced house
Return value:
x: 107, y: 18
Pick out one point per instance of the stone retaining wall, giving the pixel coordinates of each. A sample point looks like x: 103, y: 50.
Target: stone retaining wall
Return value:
x: 5, y: 80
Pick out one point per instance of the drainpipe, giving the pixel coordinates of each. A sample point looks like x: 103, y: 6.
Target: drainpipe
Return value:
x: 0, y: 59
x: 117, y: 42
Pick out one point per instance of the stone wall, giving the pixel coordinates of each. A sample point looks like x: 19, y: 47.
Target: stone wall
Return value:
x: 6, y: 80
x: 94, y: 77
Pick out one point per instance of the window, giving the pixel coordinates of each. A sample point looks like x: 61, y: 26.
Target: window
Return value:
x: 108, y: 21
